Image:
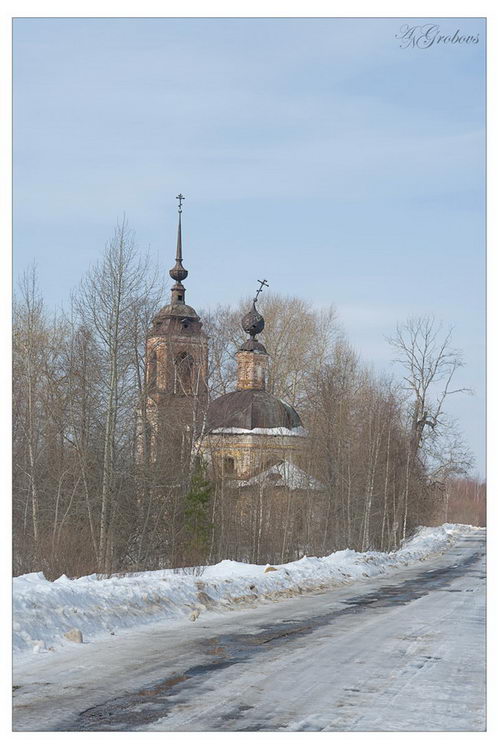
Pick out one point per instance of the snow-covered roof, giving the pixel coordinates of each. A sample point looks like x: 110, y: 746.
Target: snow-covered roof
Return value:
x: 283, y: 474
x: 282, y: 431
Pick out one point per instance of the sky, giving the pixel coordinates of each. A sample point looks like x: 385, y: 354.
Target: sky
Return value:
x: 324, y: 155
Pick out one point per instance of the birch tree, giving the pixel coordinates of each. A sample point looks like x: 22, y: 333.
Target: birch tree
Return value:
x: 108, y: 301
x: 30, y: 339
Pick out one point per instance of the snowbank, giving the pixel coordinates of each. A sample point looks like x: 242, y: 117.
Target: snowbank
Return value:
x: 44, y: 611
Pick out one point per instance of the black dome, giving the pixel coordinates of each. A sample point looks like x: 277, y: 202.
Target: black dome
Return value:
x: 249, y: 409
x: 253, y: 323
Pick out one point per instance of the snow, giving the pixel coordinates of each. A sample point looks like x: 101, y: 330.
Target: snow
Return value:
x: 44, y: 611
x: 402, y: 651
x: 282, y: 431
x: 283, y: 474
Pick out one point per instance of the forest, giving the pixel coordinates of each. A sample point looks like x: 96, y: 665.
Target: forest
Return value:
x: 384, y: 447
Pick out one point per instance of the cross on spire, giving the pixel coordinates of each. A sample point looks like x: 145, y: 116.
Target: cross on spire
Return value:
x: 180, y: 198
x: 258, y: 292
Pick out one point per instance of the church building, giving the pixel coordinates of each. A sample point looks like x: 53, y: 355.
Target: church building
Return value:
x: 242, y: 435
x: 250, y: 430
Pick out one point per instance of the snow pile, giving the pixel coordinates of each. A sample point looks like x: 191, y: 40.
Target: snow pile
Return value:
x: 44, y: 611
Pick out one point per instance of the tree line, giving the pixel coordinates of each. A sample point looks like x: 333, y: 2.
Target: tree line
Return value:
x: 383, y: 450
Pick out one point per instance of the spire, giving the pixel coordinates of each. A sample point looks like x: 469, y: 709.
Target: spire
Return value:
x: 178, y: 272
x: 179, y: 239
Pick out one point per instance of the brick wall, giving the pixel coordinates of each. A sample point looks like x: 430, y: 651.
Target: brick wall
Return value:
x: 251, y: 370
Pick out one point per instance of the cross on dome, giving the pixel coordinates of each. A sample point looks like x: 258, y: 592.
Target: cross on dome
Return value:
x: 258, y: 292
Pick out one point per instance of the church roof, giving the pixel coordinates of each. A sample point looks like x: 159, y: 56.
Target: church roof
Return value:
x: 177, y: 310
x: 251, y: 409
x: 283, y: 474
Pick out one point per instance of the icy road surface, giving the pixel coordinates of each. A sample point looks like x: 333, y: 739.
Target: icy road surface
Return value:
x: 401, y: 652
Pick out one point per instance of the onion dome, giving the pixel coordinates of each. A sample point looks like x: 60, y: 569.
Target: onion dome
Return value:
x: 253, y: 323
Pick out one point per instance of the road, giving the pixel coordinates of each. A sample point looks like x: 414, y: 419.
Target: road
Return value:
x: 403, y: 652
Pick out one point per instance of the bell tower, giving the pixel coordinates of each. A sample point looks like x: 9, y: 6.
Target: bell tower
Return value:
x: 176, y: 373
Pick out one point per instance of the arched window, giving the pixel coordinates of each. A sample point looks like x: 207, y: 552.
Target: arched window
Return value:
x: 153, y: 370
x: 184, y: 370
x: 228, y: 465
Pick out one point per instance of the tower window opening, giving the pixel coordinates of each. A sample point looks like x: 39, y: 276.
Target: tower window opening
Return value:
x: 153, y: 370
x: 184, y: 368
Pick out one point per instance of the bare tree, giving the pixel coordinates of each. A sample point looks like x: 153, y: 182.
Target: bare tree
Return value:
x: 430, y: 361
x: 109, y: 302
x: 425, y: 351
x: 83, y: 502
x: 30, y: 339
